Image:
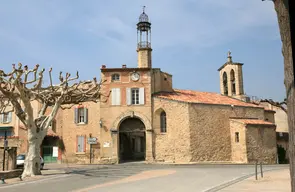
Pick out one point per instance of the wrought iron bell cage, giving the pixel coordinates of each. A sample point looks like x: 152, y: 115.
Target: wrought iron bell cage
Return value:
x: 143, y: 31
x: 143, y: 24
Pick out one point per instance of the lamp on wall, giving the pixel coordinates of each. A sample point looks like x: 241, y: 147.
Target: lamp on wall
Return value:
x: 100, y: 123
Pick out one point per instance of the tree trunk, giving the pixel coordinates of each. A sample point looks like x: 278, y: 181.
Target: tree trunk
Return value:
x: 285, y: 31
x: 32, y: 162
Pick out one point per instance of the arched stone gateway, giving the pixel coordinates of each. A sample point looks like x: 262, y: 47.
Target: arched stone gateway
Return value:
x: 132, y: 140
x: 132, y: 137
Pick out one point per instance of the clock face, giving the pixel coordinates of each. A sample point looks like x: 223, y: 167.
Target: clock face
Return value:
x: 135, y: 76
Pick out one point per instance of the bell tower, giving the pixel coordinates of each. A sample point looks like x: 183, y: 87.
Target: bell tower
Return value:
x: 231, y: 79
x: 144, y: 49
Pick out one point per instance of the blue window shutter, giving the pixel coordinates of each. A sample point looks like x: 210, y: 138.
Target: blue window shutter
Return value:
x: 76, y: 115
x: 85, y: 115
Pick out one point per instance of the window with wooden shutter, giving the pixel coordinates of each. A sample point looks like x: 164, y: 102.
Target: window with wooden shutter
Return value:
x: 116, y: 96
x: 76, y: 115
x: 80, y: 144
x: 141, y: 96
x: 128, y: 96
x: 85, y: 115
x: 81, y: 115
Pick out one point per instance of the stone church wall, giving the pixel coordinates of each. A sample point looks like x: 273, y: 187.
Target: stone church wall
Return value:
x: 210, y: 130
x: 261, y: 144
x: 238, y: 145
x: 174, y: 145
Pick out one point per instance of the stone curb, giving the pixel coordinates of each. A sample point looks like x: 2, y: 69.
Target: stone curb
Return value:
x: 40, y: 179
x: 234, y: 181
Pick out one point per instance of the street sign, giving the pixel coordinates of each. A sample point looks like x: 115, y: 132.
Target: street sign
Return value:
x: 92, y: 140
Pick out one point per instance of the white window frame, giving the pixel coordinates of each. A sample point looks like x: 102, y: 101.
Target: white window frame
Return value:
x: 135, y: 96
x: 141, y: 96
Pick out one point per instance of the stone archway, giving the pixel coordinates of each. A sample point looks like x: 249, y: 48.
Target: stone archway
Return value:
x: 132, y: 140
x: 116, y: 135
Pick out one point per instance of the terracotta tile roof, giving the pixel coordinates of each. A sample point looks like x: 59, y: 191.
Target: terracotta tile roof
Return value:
x: 253, y: 121
x: 202, y: 97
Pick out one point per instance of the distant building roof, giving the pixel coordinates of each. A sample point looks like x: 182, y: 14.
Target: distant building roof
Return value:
x: 203, y: 97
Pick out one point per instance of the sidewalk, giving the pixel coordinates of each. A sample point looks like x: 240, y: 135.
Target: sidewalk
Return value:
x: 51, y: 171
x: 273, y: 181
x: 45, y: 174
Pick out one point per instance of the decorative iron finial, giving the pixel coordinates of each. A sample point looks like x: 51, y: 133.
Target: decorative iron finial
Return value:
x: 229, y: 56
x: 143, y: 9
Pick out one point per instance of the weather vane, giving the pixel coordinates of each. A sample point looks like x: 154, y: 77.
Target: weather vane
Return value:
x: 143, y: 8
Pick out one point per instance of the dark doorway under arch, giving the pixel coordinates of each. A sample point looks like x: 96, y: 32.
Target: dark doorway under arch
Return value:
x: 132, y: 141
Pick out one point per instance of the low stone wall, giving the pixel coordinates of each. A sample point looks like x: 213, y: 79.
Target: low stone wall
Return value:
x: 10, y: 174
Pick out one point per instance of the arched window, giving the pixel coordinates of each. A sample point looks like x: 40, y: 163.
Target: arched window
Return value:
x: 233, y: 82
x: 115, y: 77
x: 163, y: 122
x: 225, y: 87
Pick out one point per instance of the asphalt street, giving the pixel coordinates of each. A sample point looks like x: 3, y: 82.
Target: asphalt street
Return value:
x: 137, y: 177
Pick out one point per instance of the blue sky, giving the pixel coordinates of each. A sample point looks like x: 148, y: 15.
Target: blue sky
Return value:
x: 190, y: 39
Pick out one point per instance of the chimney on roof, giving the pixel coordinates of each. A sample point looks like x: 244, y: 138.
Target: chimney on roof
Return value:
x: 124, y: 66
x: 103, y: 66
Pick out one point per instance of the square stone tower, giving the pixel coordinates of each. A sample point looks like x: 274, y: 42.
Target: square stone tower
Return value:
x: 231, y: 79
x: 144, y: 49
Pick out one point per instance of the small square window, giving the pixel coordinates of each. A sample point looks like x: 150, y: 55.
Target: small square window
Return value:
x: 116, y: 77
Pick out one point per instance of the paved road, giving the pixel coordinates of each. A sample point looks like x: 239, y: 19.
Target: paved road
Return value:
x: 141, y: 178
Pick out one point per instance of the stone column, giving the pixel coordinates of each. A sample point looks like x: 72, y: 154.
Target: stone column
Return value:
x: 149, y: 146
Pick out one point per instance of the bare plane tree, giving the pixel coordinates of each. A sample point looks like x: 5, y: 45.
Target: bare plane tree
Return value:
x: 17, y: 93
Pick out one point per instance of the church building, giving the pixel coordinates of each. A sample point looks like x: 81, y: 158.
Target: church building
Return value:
x: 142, y: 117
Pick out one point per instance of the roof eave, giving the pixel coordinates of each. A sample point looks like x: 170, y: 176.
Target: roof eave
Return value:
x: 157, y: 96
x: 227, y: 63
